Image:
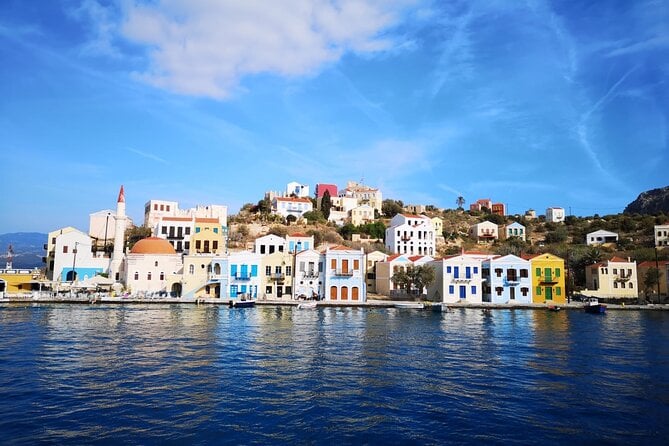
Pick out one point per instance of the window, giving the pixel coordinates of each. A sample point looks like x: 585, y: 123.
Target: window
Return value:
x: 615, y: 284
x: 356, y: 264
x: 498, y: 272
x: 162, y: 207
x: 333, y: 264
x: 187, y: 230
x: 215, y: 230
x: 538, y: 291
x: 524, y: 291
x: 148, y: 275
x: 622, y: 284
x: 191, y: 269
x: 262, y: 249
x: 164, y: 231
x: 277, y: 270
x: 162, y: 275
x: 198, y: 245
x: 557, y: 272
x: 558, y: 291
x: 473, y: 289
x: 537, y: 272
x: 615, y: 270
x: 268, y: 270
x: 631, y: 285
x: 155, y: 263
x: 214, y: 245
x: 523, y: 273
x: 289, y: 270
x: 302, y: 267
x: 448, y: 269
x: 476, y: 270
x: 499, y: 290
x: 136, y: 275
x: 451, y: 289
x: 186, y: 245
x: 197, y: 229
x: 320, y: 267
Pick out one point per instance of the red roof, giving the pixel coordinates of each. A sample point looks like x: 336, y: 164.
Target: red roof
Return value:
x: 298, y: 234
x: 651, y: 263
x: 121, y: 195
x: 294, y: 199
x: 206, y: 220
x: 414, y: 216
x: 177, y: 219
x: 617, y: 259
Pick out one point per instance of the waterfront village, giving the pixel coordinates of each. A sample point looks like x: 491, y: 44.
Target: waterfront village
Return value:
x: 346, y: 246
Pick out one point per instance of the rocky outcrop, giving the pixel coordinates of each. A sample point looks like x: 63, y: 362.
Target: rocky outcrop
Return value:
x: 650, y: 202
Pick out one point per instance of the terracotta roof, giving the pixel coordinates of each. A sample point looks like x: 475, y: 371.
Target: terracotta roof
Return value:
x: 617, y: 259
x: 206, y: 220
x: 414, y: 258
x: 651, y: 263
x: 414, y: 216
x: 176, y: 219
x: 297, y: 234
x: 152, y: 245
x: 392, y: 257
x: 528, y: 256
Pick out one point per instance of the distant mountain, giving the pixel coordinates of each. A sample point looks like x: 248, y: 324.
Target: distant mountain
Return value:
x: 650, y: 202
x: 28, y: 249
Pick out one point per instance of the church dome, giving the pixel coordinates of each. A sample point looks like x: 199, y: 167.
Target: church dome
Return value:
x: 152, y: 245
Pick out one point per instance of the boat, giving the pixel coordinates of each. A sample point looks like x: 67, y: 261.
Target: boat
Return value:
x: 410, y: 305
x: 241, y: 303
x: 593, y: 306
x: 554, y: 308
x: 306, y: 305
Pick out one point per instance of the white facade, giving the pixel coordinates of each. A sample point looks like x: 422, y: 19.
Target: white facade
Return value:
x: 309, y: 276
x: 239, y: 275
x: 101, y: 226
x: 297, y: 189
x: 515, y: 229
x: 411, y: 234
x: 344, y: 272
x: 507, y: 280
x: 269, y: 244
x: 600, y: 237
x: 296, y: 207
x: 662, y: 235
x: 458, y: 279
x: 363, y: 194
x: 73, y: 251
x: 177, y: 231
x: 484, y: 232
x: 151, y: 273
x: 155, y: 210
x: 555, y: 215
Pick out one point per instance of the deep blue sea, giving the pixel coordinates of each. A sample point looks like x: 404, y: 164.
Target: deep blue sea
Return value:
x: 171, y: 374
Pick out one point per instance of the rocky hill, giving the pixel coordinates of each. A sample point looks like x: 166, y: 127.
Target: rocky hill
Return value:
x: 650, y: 202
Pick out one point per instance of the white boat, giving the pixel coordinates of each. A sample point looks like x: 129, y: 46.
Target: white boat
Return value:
x: 411, y: 305
x: 306, y: 305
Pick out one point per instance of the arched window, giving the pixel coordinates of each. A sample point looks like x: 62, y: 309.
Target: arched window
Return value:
x: 148, y: 275
x: 333, y: 293
x: 191, y: 269
x: 344, y: 293
x: 136, y: 275
x: 162, y: 275
x: 217, y: 269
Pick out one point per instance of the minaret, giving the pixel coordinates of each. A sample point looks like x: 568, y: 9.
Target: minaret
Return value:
x: 119, y: 237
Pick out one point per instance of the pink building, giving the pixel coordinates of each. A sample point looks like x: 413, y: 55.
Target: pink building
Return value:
x: 321, y: 188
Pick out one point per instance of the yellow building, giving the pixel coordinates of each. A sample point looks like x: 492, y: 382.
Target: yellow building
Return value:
x: 208, y: 237
x: 548, y: 278
x: 200, y: 279
x: 276, y: 275
x: 18, y: 281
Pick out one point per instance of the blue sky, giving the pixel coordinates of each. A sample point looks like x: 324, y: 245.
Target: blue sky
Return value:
x: 531, y: 103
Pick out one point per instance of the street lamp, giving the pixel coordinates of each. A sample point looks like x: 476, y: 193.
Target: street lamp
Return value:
x: 74, y: 261
x: 106, y: 223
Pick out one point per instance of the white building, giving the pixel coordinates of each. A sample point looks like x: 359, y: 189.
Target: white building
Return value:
x: 152, y: 266
x: 662, y: 235
x: 155, y: 210
x: 507, y: 280
x: 299, y: 242
x: 101, y: 226
x: 616, y: 278
x: 239, y: 275
x: 74, y: 259
x: 555, y: 214
x: 515, y: 229
x: 344, y: 274
x: 486, y: 231
x: 296, y: 207
x: 269, y: 244
x: 309, y: 275
x: 298, y: 190
x: 411, y: 234
x: 458, y: 278
x: 600, y: 237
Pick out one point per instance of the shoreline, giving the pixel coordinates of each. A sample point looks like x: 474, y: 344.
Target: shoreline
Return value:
x: 370, y: 303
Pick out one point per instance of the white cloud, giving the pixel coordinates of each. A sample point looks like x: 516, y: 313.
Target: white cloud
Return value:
x: 204, y: 48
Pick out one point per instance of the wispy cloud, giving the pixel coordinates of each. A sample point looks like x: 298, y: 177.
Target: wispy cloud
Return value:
x: 147, y: 155
x: 205, y: 48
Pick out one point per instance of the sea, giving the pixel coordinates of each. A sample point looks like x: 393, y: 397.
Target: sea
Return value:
x: 186, y: 374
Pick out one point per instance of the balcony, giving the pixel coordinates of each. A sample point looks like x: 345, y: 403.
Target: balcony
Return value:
x: 310, y: 274
x: 461, y: 280
x: 343, y: 273
x: 277, y: 277
x: 242, y: 276
x: 622, y: 278
x: 405, y: 238
x: 548, y: 279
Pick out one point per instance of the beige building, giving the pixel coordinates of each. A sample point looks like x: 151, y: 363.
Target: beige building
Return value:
x: 363, y: 194
x: 615, y: 278
x: 199, y: 279
x: 385, y: 271
x: 372, y: 259
x: 362, y: 214
x: 276, y: 275
x: 484, y: 232
x: 662, y: 235
x: 152, y: 266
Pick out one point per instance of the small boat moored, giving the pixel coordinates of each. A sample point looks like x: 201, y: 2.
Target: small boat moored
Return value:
x: 241, y: 303
x: 554, y: 308
x: 410, y: 305
x: 306, y: 305
x: 593, y: 306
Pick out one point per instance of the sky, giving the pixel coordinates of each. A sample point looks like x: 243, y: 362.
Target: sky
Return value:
x: 531, y: 103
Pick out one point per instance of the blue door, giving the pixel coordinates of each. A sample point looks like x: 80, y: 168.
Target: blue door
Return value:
x: 463, y: 292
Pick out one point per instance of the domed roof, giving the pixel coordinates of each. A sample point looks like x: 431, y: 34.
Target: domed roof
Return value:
x: 152, y: 245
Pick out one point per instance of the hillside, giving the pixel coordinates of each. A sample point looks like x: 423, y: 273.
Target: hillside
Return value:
x: 651, y: 202
x: 27, y: 246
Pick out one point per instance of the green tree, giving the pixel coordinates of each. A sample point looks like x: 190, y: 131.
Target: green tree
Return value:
x: 558, y: 235
x: 390, y: 208
x: 280, y: 231
x: 315, y: 216
x: 291, y: 219
x: 135, y: 234
x: 402, y: 280
x: 651, y: 280
x: 422, y: 276
x: 264, y: 206
x: 326, y: 204
x: 346, y: 231
x: 494, y: 218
